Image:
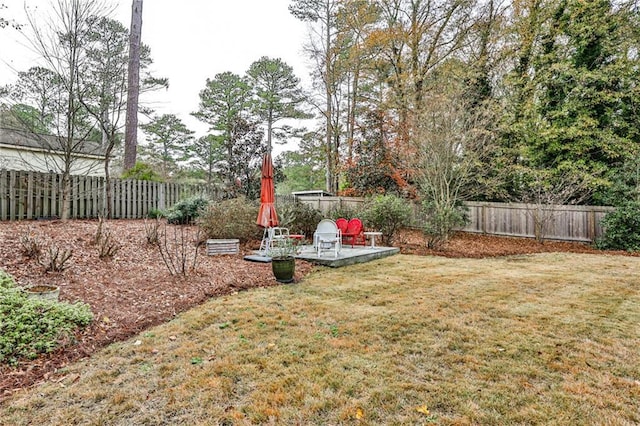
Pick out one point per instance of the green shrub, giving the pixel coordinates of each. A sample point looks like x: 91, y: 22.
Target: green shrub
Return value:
x: 29, y: 327
x: 299, y: 217
x: 440, y: 223
x: 156, y: 214
x: 345, y: 211
x: 142, y: 171
x: 6, y: 280
x: 387, y: 214
x: 233, y: 218
x: 622, y: 228
x: 186, y: 211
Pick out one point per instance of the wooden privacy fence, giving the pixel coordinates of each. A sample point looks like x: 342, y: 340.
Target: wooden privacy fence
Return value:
x: 326, y: 204
x: 554, y: 222
x: 33, y: 195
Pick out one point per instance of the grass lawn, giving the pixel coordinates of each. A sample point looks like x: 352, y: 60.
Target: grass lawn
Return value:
x: 540, y: 339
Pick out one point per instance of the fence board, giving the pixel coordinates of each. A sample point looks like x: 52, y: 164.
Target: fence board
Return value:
x: 95, y: 192
x: 79, y: 192
x: 15, y: 199
x: 55, y: 203
x: 115, y: 202
x: 144, y: 199
x: 39, y: 203
x: 4, y: 195
x: 32, y: 195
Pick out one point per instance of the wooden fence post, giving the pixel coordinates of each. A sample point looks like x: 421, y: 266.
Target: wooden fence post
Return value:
x: 591, y: 231
x: 29, y: 196
x: 4, y: 195
x: 15, y: 201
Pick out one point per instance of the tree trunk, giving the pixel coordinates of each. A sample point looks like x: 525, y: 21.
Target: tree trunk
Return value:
x: 328, y: 82
x: 329, y: 137
x: 65, y: 199
x: 131, y: 132
x: 269, y: 130
x: 352, y: 112
x: 107, y: 180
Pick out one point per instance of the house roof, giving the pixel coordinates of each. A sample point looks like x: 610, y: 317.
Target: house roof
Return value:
x: 34, y: 141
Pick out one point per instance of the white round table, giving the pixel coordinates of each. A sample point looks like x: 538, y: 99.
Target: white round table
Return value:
x: 372, y: 235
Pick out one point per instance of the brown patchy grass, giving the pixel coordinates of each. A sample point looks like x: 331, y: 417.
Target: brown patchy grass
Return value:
x: 531, y: 339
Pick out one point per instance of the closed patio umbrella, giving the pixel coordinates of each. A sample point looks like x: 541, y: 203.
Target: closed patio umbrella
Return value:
x: 267, y: 216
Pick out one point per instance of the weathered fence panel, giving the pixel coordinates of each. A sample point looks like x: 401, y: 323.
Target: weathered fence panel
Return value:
x: 34, y: 195
x: 326, y: 204
x: 556, y: 222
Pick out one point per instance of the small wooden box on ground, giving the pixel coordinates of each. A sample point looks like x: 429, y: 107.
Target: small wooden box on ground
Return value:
x: 230, y: 246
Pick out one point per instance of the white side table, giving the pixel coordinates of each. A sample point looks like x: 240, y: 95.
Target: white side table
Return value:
x: 372, y: 235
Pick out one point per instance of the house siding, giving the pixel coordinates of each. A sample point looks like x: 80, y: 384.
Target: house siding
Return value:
x: 20, y: 151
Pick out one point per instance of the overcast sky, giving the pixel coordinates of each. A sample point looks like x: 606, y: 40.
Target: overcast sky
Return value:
x: 190, y: 41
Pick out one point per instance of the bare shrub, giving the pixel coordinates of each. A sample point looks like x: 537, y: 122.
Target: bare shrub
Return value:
x: 179, y: 251
x: 57, y: 259
x: 452, y: 139
x: 31, y: 245
x: 108, y: 246
x: 543, y: 190
x: 152, y: 231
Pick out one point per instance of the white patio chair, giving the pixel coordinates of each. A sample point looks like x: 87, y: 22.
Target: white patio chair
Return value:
x: 271, y: 237
x: 326, y: 237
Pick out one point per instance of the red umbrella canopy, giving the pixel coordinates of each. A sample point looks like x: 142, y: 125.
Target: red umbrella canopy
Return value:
x: 267, y: 216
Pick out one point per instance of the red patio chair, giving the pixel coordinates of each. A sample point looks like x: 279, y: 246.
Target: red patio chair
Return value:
x: 354, y: 234
x: 342, y: 224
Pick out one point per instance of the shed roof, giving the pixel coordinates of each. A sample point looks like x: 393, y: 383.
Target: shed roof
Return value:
x: 312, y: 193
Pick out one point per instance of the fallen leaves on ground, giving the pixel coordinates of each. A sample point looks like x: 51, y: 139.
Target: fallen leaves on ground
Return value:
x: 134, y: 290
x: 127, y: 293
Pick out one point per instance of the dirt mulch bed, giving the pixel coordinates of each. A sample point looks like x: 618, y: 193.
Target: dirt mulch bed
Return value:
x: 134, y: 290
x: 480, y: 246
x: 127, y: 293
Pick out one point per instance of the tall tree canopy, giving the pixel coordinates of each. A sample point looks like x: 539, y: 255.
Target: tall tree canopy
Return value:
x: 167, y: 141
x: 561, y: 74
x: 323, y: 52
x: 227, y: 105
x: 278, y: 94
x: 574, y: 98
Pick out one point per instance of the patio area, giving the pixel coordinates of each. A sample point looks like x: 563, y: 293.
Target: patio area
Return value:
x: 347, y: 255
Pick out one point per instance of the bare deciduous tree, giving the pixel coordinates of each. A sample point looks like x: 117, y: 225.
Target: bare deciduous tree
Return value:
x: 450, y: 140
x: 542, y: 190
x: 322, y: 49
x: 59, y: 41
